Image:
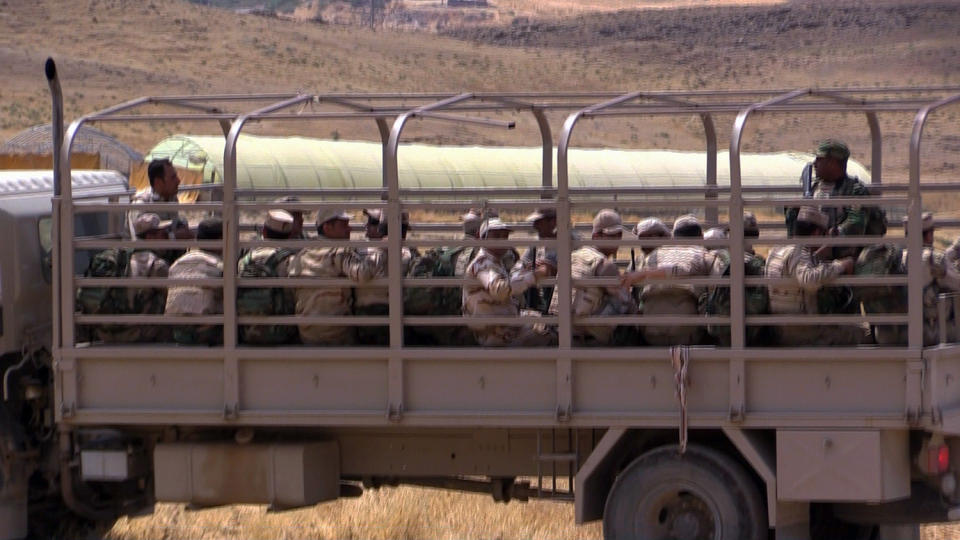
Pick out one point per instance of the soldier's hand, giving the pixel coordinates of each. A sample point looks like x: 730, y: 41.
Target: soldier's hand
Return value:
x: 630, y: 278
x: 847, y: 265
x: 543, y: 271
x: 547, y: 269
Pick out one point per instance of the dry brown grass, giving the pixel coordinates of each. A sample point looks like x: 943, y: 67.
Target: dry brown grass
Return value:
x: 389, y: 513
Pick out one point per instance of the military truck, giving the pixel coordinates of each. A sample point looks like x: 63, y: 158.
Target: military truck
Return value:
x: 697, y: 442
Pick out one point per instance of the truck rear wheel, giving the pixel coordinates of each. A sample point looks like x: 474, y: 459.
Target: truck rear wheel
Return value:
x: 700, y: 495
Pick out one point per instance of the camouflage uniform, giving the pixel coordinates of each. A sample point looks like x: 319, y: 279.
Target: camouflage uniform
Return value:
x: 148, y: 301
x: 280, y: 299
x: 588, y: 262
x: 798, y: 262
x: 491, y: 290
x: 660, y: 299
x: 716, y: 301
x: 375, y: 301
x: 848, y: 220
x: 938, y: 277
x: 329, y: 262
x: 195, y: 299
x: 147, y: 196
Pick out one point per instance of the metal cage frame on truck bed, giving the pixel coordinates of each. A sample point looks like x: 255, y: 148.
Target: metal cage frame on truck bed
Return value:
x: 403, y: 373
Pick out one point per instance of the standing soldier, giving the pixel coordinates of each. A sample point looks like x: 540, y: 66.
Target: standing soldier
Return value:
x: 164, y: 186
x: 268, y: 262
x: 809, y: 275
x: 832, y: 180
x: 375, y: 300
x: 490, y: 289
x: 658, y: 299
x: 198, y: 300
x: 330, y: 262
x: 588, y: 262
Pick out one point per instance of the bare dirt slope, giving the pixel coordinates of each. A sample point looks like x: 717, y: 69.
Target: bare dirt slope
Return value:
x: 112, y: 50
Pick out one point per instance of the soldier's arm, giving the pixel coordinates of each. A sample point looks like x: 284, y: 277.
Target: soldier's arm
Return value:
x: 358, y: 267
x: 854, y: 222
x: 811, y: 276
x: 502, y: 287
x: 946, y: 274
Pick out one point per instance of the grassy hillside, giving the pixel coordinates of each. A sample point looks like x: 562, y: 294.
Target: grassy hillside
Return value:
x: 112, y: 50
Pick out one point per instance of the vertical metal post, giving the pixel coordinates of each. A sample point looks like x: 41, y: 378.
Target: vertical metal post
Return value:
x: 876, y: 149
x: 711, y: 213
x: 231, y: 239
x: 384, y: 131
x: 231, y: 228
x: 737, y: 291
x: 395, y: 297
x: 563, y: 289
x: 546, y: 137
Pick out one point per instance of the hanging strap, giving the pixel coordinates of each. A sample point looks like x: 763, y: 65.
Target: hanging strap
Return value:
x: 680, y: 359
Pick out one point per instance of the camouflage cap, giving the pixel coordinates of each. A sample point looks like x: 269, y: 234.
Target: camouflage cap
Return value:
x: 542, y: 213
x: 813, y: 216
x: 493, y: 224
x: 607, y: 221
x: 326, y: 214
x: 714, y: 233
x: 750, y: 223
x: 833, y: 148
x: 279, y: 221
x: 687, y: 220
x: 149, y: 221
x: 651, y: 227
x: 926, y: 219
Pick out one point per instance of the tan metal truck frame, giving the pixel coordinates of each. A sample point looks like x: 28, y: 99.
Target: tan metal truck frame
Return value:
x: 810, y: 441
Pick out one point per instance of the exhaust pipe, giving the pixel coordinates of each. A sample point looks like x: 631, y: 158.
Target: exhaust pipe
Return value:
x: 56, y: 95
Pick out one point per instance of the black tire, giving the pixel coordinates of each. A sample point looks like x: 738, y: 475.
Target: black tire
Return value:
x: 699, y: 495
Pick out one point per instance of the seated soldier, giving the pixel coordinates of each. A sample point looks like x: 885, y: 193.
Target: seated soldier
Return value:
x: 297, y: 232
x: 544, y: 222
x: 330, y: 262
x: 268, y: 262
x: 661, y: 299
x: 648, y: 228
x: 490, y: 289
x: 142, y: 263
x: 939, y: 276
x: 195, y: 300
x: 809, y: 275
x: 588, y: 262
x: 375, y: 301
x: 473, y: 221
x: 716, y: 301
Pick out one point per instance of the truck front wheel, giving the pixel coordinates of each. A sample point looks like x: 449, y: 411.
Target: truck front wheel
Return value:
x: 700, y: 495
